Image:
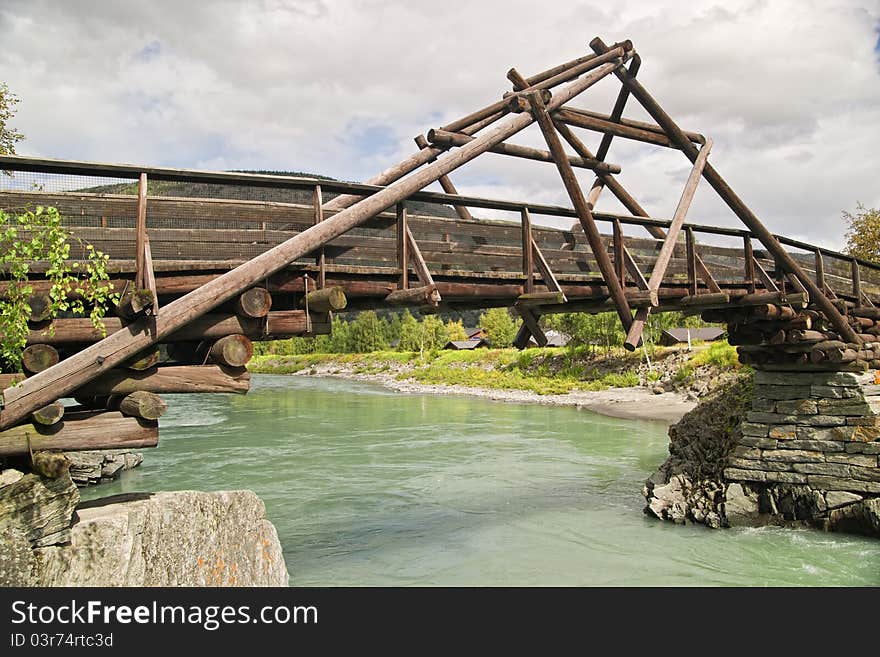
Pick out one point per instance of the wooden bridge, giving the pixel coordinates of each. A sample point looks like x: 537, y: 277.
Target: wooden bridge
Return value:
x: 207, y: 261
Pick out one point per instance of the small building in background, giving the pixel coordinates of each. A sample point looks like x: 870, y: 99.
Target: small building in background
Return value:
x: 674, y: 336
x: 466, y: 345
x: 554, y: 339
x: 474, y: 332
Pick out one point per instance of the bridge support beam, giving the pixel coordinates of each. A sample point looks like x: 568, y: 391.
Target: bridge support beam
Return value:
x: 728, y: 195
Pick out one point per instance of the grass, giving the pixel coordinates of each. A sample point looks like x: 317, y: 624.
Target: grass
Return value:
x: 546, y: 371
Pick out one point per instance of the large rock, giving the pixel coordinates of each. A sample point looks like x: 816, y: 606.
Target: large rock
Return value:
x: 100, y: 465
x: 859, y: 518
x: 40, y: 507
x: 183, y: 538
x: 34, y: 511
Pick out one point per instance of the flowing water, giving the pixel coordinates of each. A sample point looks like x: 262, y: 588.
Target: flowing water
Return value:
x: 371, y: 487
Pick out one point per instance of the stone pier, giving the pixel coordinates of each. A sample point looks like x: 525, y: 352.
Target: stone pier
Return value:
x: 801, y: 448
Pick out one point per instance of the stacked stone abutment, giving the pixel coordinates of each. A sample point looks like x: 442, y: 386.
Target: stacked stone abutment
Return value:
x: 820, y: 429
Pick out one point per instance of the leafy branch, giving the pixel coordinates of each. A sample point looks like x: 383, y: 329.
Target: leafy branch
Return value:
x: 79, y: 289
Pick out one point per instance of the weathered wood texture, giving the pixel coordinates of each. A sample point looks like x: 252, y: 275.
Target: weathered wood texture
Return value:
x: 79, y: 431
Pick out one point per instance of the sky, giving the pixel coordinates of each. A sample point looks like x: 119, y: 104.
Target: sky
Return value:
x: 788, y: 90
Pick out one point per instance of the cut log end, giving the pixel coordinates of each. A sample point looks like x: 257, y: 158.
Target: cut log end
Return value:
x: 39, y: 357
x: 49, y: 415
x: 143, y: 404
x: 256, y: 302
x: 233, y: 350
x: 328, y: 299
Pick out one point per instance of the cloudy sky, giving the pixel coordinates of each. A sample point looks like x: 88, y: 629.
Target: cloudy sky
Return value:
x: 789, y: 90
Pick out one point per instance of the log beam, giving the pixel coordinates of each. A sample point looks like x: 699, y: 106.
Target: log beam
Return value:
x: 730, y: 197
x: 81, y: 431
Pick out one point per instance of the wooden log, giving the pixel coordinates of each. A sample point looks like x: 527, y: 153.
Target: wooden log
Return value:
x: 695, y: 137
x: 143, y: 404
x: 444, y: 138
x: 166, y: 379
x: 41, y: 307
x: 414, y: 296
x: 256, y: 302
x: 278, y: 324
x: 528, y: 251
x: 529, y: 326
x: 144, y: 360
x: 804, y: 335
x: 727, y: 194
x: 91, y: 362
x: 777, y: 337
x: 540, y: 299
x: 135, y: 302
x: 48, y: 415
x: 232, y: 350
x: 773, y: 311
x: 141, y: 233
x: 705, y: 299
x: 672, y: 233
x: 38, y: 357
x: 446, y: 183
x: 81, y: 431
x: 870, y: 313
x: 325, y: 300
x: 585, y: 216
x: 581, y: 120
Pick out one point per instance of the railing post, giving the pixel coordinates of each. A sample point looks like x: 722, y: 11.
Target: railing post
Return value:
x: 856, y: 282
x: 402, y: 246
x: 749, y: 255
x: 619, y: 265
x: 690, y: 246
x: 528, y: 253
x: 820, y: 271
x: 140, y: 232
x: 320, y: 260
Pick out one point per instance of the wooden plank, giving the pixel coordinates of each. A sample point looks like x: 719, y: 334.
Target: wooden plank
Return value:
x: 141, y: 232
x: 545, y: 270
x: 684, y: 204
x: 528, y: 250
x: 749, y: 259
x: 321, y: 257
x: 402, y: 246
x: 856, y: 280
x: 619, y: 266
x: 691, y: 259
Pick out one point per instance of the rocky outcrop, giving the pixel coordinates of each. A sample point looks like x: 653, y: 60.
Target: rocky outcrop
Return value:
x: 183, y: 538
x: 35, y: 512
x: 99, y: 466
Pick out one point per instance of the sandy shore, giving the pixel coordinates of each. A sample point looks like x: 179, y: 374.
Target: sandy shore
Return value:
x: 627, y: 403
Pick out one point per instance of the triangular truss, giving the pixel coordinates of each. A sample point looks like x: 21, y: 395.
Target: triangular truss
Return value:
x: 545, y: 99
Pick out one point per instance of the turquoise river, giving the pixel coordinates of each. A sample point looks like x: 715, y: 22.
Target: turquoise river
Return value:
x: 371, y: 487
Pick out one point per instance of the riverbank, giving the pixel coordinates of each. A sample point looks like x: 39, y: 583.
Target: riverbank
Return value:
x: 619, y: 385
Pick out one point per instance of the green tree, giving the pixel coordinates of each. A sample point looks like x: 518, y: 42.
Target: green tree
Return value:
x: 863, y: 233
x: 367, y: 333
x: 455, y: 331
x: 410, y: 333
x: 499, y: 326
x: 9, y: 137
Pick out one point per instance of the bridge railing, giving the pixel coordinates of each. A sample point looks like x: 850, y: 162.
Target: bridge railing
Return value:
x: 212, y: 220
